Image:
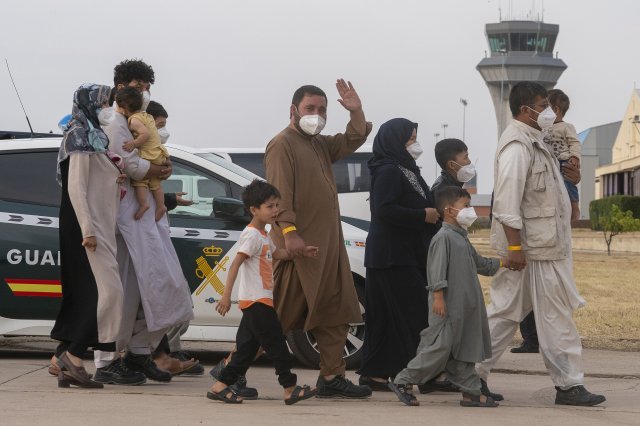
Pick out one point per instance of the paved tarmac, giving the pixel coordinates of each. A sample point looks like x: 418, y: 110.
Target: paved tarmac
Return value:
x: 29, y: 396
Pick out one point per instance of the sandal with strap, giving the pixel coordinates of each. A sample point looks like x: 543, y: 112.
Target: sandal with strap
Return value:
x: 475, y: 401
x: 307, y: 393
x: 223, y: 396
x: 404, y: 394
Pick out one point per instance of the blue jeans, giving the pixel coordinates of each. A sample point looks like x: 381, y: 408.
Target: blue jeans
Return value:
x: 572, y: 189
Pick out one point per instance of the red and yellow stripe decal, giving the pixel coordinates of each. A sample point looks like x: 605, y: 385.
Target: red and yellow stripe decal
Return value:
x: 34, y: 288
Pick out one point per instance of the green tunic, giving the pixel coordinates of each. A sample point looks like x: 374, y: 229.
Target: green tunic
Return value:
x: 453, y: 265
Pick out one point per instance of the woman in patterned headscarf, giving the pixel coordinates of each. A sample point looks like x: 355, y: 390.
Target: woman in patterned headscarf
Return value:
x: 91, y: 307
x: 403, y: 220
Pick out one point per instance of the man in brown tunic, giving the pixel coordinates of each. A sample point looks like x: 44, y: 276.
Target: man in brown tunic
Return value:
x: 318, y: 294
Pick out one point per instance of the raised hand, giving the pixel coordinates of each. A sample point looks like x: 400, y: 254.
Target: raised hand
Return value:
x: 349, y: 97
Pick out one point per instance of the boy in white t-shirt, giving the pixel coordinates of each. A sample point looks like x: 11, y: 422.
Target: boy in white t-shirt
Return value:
x: 259, y: 326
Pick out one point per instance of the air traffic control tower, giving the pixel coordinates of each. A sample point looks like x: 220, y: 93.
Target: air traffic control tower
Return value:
x: 520, y: 51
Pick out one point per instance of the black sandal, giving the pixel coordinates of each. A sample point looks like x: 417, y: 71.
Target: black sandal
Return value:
x: 223, y: 396
x: 475, y: 401
x: 404, y: 394
x: 307, y: 393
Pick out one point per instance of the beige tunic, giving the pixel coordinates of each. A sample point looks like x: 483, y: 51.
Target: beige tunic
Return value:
x: 300, y: 167
x: 95, y: 196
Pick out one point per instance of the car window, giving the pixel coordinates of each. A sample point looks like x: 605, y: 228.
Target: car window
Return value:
x: 201, y: 187
x: 30, y: 177
x: 352, y: 173
x: 232, y: 167
x: 250, y: 161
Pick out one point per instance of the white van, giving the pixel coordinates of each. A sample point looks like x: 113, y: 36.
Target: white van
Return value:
x: 351, y: 175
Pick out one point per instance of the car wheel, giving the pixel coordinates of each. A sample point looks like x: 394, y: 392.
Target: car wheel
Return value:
x: 305, y: 348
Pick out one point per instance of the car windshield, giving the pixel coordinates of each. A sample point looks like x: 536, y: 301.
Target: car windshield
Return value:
x: 216, y: 159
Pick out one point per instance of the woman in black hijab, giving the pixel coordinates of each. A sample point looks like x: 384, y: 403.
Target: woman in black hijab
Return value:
x: 403, y: 220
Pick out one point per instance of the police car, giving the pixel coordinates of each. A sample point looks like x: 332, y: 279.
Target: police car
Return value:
x: 203, y: 234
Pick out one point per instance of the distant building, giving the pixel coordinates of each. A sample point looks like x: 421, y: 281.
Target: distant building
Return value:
x: 481, y: 204
x: 622, y: 175
x: 597, y: 143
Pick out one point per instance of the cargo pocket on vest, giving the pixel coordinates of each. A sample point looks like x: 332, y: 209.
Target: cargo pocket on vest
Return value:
x: 540, y: 227
x: 539, y: 176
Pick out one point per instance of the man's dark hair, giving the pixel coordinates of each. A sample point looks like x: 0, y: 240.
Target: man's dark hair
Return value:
x: 525, y: 93
x: 307, y: 90
x: 132, y: 69
x: 257, y: 193
x: 156, y: 110
x: 447, y: 149
x: 129, y: 98
x: 559, y: 99
x: 449, y: 195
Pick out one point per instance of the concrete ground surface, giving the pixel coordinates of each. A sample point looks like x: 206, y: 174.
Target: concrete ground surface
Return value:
x: 30, y: 396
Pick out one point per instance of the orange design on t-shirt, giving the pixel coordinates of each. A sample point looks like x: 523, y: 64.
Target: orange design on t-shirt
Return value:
x: 266, y: 269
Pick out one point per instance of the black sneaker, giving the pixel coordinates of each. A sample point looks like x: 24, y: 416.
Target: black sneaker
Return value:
x: 145, y: 365
x: 484, y: 389
x: 196, y: 370
x: 438, y: 386
x: 578, y: 395
x: 239, y: 387
x: 217, y: 369
x: 526, y: 348
x: 341, y: 387
x: 117, y: 373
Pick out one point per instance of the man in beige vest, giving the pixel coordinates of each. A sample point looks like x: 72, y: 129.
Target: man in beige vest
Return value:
x: 531, y: 227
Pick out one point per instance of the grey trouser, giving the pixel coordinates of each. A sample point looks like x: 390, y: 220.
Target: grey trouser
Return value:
x: 433, y: 357
x: 173, y: 335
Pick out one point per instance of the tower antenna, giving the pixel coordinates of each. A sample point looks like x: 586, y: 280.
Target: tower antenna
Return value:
x: 18, y: 94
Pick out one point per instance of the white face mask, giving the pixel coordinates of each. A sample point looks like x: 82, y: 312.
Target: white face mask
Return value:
x: 164, y: 134
x: 465, y: 173
x: 312, y: 124
x: 546, y: 118
x: 415, y: 150
x: 106, y: 116
x: 146, y: 98
x: 466, y: 217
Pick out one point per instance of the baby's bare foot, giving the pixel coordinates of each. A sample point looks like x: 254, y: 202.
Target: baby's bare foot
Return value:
x: 140, y: 212
x: 160, y: 212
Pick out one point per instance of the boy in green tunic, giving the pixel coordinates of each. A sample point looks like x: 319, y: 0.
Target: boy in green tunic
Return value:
x: 458, y: 332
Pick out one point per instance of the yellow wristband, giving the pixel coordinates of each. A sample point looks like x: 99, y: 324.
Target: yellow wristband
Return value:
x: 514, y: 248
x: 288, y: 229
x: 501, y: 265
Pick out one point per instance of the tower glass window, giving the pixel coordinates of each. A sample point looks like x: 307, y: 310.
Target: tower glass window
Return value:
x: 498, y: 42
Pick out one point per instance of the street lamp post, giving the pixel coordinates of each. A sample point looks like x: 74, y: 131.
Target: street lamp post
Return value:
x: 464, y: 114
x: 444, y: 130
x: 436, y: 135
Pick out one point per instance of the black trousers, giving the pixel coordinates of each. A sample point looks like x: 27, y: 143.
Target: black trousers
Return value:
x: 260, y: 327
x: 529, y: 331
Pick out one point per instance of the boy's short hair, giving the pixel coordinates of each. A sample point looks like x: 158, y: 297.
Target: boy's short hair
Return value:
x: 525, y: 93
x: 258, y: 192
x: 447, y: 150
x: 307, y: 90
x: 156, y: 110
x: 559, y: 99
x: 132, y: 69
x: 448, y: 195
x: 129, y: 98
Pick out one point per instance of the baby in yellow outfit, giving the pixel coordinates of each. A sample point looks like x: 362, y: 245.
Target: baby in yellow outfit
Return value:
x: 147, y: 141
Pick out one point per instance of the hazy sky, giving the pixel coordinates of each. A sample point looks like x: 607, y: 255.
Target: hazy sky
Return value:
x: 226, y: 69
